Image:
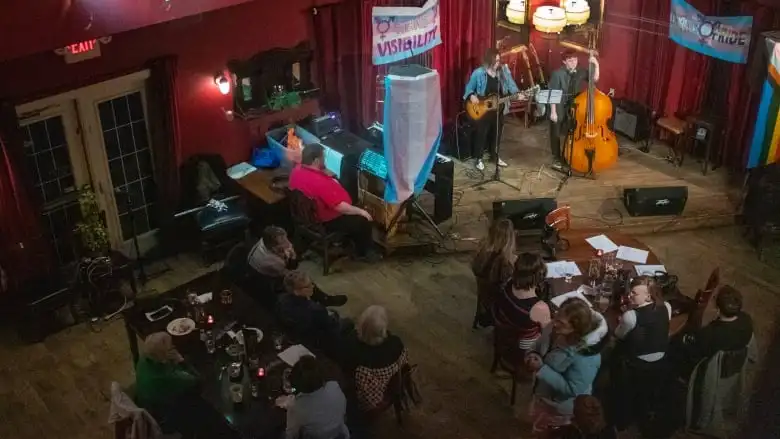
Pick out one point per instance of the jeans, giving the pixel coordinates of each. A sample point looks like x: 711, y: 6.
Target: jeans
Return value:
x: 485, y: 137
x: 358, y: 229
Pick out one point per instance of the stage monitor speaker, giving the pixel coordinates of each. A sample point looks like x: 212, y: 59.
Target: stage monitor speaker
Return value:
x: 632, y: 120
x: 526, y: 215
x: 655, y: 201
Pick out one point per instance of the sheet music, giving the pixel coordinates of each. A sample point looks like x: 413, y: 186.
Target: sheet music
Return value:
x: 294, y: 353
x: 549, y: 96
x: 632, y: 254
x: 559, y: 269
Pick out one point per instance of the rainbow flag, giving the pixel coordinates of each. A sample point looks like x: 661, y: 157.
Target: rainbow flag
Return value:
x: 765, y: 148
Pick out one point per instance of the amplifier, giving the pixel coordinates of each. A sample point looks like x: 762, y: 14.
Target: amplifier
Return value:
x: 655, y: 201
x: 632, y: 120
x: 526, y: 215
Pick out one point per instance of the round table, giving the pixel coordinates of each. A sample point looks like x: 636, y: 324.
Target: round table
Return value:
x: 580, y: 252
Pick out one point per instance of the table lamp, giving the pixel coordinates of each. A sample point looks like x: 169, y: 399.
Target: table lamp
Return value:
x: 577, y: 12
x: 515, y: 11
x: 549, y: 19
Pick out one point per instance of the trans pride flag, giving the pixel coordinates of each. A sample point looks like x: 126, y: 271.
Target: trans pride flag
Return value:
x: 765, y: 146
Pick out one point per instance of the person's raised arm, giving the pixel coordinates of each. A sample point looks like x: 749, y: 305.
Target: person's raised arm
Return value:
x: 596, y: 67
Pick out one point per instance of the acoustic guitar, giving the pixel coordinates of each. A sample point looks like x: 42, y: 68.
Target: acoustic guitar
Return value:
x: 480, y: 109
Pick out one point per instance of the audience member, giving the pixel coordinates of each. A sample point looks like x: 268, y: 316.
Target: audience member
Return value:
x: 373, y: 357
x: 271, y: 258
x: 564, y: 364
x: 517, y: 306
x: 160, y: 373
x: 317, y: 411
x: 643, y: 339
x: 492, y: 267
x: 334, y: 207
x: 588, y: 421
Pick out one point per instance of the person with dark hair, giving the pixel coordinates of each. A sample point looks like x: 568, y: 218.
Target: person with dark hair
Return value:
x: 334, y: 208
x: 271, y: 258
x: 317, y: 411
x: 588, y: 421
x: 491, y: 78
x: 492, y: 267
x: 568, y: 79
x: 731, y: 330
x: 643, y: 339
x: 517, y: 305
x: 563, y: 364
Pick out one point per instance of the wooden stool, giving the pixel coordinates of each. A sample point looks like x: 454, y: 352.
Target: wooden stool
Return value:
x: 676, y: 128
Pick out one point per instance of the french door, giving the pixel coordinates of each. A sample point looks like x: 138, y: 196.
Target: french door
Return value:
x: 96, y: 135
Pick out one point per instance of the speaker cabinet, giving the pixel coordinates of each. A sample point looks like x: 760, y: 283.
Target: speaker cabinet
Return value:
x: 655, y: 201
x: 632, y: 120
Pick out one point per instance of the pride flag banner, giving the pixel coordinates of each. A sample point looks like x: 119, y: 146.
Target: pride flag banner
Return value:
x: 764, y: 148
x: 726, y: 38
x: 403, y: 32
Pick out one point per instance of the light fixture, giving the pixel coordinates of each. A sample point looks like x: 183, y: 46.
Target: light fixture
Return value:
x: 549, y: 19
x: 515, y: 11
x: 577, y: 12
x: 222, y: 82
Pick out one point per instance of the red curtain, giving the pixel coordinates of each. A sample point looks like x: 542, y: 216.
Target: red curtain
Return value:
x: 23, y: 251
x: 166, y: 137
x: 649, y: 75
x: 467, y: 30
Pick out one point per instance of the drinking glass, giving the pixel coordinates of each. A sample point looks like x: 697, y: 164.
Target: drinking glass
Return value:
x: 237, y: 393
x: 227, y: 297
x: 568, y: 277
x: 278, y: 342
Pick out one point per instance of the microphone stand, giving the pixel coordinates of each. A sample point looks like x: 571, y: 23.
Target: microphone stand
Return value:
x: 139, y: 260
x: 496, y: 178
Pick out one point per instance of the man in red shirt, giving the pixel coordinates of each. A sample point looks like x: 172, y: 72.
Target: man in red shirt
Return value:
x: 334, y: 206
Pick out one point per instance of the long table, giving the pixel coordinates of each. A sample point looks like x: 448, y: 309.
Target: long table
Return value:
x: 256, y: 417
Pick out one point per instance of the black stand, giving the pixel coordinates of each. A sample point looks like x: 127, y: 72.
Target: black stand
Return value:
x: 496, y: 178
x: 571, y: 128
x: 411, y: 203
x: 138, y: 259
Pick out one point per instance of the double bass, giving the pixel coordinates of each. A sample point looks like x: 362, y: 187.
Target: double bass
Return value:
x: 594, y: 146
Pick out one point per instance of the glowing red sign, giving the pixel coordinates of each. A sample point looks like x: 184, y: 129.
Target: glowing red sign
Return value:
x: 82, y: 47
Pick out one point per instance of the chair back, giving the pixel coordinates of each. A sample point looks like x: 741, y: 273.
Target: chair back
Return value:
x: 235, y: 265
x: 703, y: 298
x: 302, y: 209
x: 505, y: 347
x: 559, y: 219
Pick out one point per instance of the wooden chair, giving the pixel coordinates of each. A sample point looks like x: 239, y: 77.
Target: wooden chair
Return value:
x: 401, y: 393
x: 508, y: 357
x: 308, y: 232
x: 560, y: 218
x: 483, y: 305
x: 676, y: 128
x: 703, y: 298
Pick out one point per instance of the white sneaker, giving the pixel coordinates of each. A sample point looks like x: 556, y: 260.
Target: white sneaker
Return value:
x: 502, y: 163
x: 480, y: 166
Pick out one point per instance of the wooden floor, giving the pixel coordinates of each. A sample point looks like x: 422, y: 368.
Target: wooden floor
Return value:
x: 59, y: 388
x: 596, y: 203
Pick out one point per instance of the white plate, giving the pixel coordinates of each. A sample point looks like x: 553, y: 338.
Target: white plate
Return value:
x: 181, y: 326
x: 240, y: 337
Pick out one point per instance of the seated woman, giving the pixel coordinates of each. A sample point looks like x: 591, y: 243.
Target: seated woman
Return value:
x: 308, y: 319
x: 492, y: 266
x: 272, y: 257
x: 317, y: 411
x: 731, y: 330
x: 517, y: 307
x: 588, y: 421
x: 564, y: 364
x: 373, y: 357
x: 643, y: 338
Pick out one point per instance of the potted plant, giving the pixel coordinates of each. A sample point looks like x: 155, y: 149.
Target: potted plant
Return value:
x: 91, y: 229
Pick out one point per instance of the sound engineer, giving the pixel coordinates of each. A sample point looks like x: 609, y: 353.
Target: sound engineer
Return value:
x: 334, y: 208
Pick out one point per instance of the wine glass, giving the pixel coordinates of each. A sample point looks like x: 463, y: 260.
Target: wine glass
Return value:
x: 568, y: 277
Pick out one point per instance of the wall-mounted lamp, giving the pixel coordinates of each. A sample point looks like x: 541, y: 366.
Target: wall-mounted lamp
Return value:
x: 222, y: 82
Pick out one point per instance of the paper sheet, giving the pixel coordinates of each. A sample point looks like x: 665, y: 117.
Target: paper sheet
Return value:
x: 559, y: 269
x: 601, y: 242
x: 632, y: 254
x: 558, y: 300
x: 294, y: 353
x: 649, y: 270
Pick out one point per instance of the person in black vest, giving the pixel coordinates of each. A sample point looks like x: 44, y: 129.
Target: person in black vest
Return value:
x: 638, y: 366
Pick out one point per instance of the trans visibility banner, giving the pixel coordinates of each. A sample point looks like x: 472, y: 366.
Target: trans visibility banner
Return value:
x: 403, y: 32
x: 726, y: 38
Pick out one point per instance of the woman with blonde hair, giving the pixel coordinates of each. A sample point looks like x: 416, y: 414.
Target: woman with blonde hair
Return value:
x: 374, y: 356
x: 160, y: 375
x: 492, y: 267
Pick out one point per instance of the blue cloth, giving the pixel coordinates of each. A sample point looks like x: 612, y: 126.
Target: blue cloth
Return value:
x: 478, y: 84
x: 270, y: 157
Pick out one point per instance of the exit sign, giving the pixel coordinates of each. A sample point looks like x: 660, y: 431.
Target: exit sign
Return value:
x: 82, y: 50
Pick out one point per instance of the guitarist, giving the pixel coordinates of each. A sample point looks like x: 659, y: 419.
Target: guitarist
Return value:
x: 568, y: 78
x: 491, y: 78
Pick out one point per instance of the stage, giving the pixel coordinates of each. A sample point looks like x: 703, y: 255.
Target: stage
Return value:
x: 596, y: 203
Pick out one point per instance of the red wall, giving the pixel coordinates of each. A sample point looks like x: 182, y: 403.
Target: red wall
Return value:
x: 203, y: 44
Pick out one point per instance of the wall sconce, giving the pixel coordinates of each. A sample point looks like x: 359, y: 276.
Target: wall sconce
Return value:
x: 222, y: 82
x: 577, y: 12
x: 515, y: 11
x: 549, y: 19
